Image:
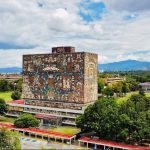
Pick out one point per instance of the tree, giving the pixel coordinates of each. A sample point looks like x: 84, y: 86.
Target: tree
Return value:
x: 133, y: 85
x: 19, y: 85
x: 125, y: 87
x: 101, y: 84
x: 4, y: 85
x: 16, y: 95
x: 9, y: 139
x: 118, y: 88
x: 3, y: 107
x: 136, y: 118
x: 141, y: 91
x: 84, y: 121
x: 101, y: 120
x: 128, y: 122
x: 108, y: 91
x: 26, y: 121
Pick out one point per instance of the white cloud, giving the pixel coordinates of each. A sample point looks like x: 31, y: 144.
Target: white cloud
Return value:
x: 44, y: 24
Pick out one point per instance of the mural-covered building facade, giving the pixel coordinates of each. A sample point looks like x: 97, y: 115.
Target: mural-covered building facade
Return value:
x: 62, y: 83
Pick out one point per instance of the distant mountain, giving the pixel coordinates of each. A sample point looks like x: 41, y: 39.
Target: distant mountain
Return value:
x: 127, y: 65
x: 11, y: 70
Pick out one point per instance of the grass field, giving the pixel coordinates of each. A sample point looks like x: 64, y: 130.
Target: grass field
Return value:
x: 147, y: 94
x: 6, y: 96
x: 7, y: 119
x: 66, y: 130
x: 123, y: 99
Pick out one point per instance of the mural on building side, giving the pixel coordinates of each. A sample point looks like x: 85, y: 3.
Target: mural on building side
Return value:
x: 60, y: 77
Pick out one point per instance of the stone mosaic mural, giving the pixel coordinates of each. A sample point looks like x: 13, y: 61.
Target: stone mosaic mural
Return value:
x: 60, y: 77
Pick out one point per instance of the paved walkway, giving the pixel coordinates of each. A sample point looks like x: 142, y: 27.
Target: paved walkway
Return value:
x: 34, y: 143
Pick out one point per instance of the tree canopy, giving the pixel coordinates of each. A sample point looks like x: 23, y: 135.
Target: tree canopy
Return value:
x: 9, y: 139
x: 16, y: 95
x: 26, y: 121
x: 127, y: 122
x: 3, y: 107
x: 101, y: 117
x: 4, y: 85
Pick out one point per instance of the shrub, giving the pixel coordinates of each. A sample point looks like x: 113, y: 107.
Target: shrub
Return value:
x: 3, y: 107
x: 26, y: 121
x: 9, y: 139
x: 16, y: 95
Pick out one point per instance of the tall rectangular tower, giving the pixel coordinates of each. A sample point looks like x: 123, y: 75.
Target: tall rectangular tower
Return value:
x: 64, y: 79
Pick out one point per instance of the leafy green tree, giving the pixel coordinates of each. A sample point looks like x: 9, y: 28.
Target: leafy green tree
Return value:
x: 101, y: 120
x: 26, y: 121
x: 136, y: 110
x: 133, y: 85
x: 125, y: 87
x: 118, y: 88
x: 19, y: 85
x: 3, y: 107
x: 9, y: 139
x: 4, y: 85
x: 128, y: 122
x: 141, y: 91
x: 16, y: 95
x: 101, y: 84
x: 84, y: 121
x: 108, y: 91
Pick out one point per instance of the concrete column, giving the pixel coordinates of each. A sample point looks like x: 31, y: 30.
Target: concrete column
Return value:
x: 29, y: 134
x: 62, y: 140
x: 23, y: 133
x: 70, y: 141
x: 42, y: 137
x: 35, y: 135
x: 41, y: 122
x: 55, y: 139
x: 87, y: 145
x: 79, y: 143
x: 104, y: 147
x: 95, y: 146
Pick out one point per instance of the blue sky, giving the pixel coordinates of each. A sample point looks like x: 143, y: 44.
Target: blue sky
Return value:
x: 91, y: 11
x: 115, y: 29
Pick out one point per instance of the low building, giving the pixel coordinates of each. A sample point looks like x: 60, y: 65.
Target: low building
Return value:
x: 10, y: 77
x: 57, y: 87
x: 145, y: 86
x: 112, y: 80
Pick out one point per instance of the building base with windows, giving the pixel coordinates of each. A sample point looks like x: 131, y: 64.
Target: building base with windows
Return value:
x: 48, y: 116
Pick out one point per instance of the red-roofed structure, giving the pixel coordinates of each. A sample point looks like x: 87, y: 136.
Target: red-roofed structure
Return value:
x: 109, y: 144
x: 16, y: 102
x: 36, y: 131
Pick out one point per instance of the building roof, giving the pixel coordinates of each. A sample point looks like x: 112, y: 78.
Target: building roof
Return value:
x: 112, y: 144
x: 38, y: 131
x: 145, y: 84
x: 21, y: 101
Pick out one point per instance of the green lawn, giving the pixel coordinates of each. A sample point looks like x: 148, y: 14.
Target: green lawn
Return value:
x: 147, y: 94
x: 7, y: 119
x: 6, y: 96
x: 123, y: 99
x: 66, y: 130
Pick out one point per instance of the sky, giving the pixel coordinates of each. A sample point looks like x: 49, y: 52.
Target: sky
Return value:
x: 114, y: 29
